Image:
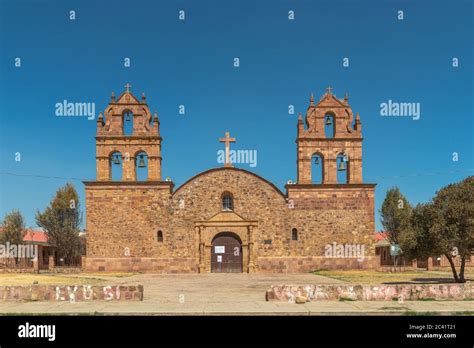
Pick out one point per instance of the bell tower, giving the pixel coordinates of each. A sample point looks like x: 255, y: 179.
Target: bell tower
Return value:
x: 127, y: 205
x: 330, y: 138
x: 140, y: 148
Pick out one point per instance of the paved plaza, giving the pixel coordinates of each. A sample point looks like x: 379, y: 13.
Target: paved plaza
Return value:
x: 227, y: 294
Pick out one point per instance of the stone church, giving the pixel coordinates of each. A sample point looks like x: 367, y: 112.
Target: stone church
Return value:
x: 229, y: 219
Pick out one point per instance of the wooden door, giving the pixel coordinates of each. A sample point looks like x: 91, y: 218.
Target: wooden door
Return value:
x: 226, y: 253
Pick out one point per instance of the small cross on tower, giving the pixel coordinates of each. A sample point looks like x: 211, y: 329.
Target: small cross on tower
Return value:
x: 329, y: 90
x: 227, y: 140
x: 127, y: 87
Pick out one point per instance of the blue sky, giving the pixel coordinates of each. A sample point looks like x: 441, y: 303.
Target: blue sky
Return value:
x: 191, y: 63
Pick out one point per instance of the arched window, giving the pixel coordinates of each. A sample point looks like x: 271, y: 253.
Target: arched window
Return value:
x: 159, y: 236
x: 317, y: 166
x: 128, y: 123
x: 294, y: 234
x: 227, y: 201
x: 115, y: 163
x: 342, y: 163
x: 329, y: 125
x: 141, y: 166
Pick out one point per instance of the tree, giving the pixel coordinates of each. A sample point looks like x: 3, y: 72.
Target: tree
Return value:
x: 395, y: 214
x: 444, y: 226
x: 13, y: 228
x: 61, y: 221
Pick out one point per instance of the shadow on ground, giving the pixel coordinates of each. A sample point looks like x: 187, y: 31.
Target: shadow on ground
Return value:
x: 425, y: 281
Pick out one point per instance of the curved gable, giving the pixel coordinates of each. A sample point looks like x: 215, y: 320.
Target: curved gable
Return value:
x: 230, y: 169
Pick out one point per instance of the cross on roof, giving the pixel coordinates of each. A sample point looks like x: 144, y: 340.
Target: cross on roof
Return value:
x: 329, y: 90
x: 127, y: 87
x: 227, y: 140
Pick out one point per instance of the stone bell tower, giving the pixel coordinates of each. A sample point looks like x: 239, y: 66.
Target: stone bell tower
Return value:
x: 126, y: 214
x: 114, y: 146
x: 330, y: 197
x: 344, y: 144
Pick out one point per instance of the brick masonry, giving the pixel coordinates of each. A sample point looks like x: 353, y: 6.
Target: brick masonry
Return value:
x: 410, y: 292
x: 151, y: 226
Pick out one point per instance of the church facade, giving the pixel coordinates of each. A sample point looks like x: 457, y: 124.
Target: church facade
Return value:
x: 228, y: 219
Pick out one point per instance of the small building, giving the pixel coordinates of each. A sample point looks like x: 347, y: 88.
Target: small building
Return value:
x: 32, y: 237
x: 434, y: 263
x: 382, y: 249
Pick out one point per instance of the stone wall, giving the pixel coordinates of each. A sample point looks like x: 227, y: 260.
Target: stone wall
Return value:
x: 141, y: 264
x: 66, y: 269
x: 411, y: 292
x: 18, y: 270
x: 310, y: 263
x: 71, y: 293
x: 254, y: 199
x: 123, y: 219
x: 326, y: 214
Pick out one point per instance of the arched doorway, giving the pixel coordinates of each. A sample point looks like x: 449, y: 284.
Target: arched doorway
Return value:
x: 226, y: 253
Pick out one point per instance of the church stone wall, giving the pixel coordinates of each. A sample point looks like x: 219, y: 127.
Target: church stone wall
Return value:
x: 254, y: 199
x: 326, y: 215
x: 126, y: 217
x: 123, y: 219
x: 342, y: 213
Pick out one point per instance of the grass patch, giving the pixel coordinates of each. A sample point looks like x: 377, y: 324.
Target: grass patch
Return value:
x: 11, y: 279
x: 415, y: 313
x: 45, y: 279
x: 110, y: 274
x: 464, y: 313
x: 394, y: 308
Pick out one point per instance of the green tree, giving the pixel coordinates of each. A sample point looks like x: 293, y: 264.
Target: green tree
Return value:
x: 395, y: 214
x: 13, y: 228
x: 444, y: 226
x: 61, y: 221
x: 13, y: 231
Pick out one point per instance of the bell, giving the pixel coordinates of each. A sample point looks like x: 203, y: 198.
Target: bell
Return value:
x: 127, y: 117
x: 141, y: 164
x: 341, y: 167
x: 328, y: 121
x: 316, y: 161
x: 116, y: 160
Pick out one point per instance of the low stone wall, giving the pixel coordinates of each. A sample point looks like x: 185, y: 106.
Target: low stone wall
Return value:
x: 307, y: 264
x: 65, y: 269
x: 71, y: 293
x: 396, y: 269
x: 140, y: 264
x: 409, y: 292
x: 18, y: 270
x: 292, y: 264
